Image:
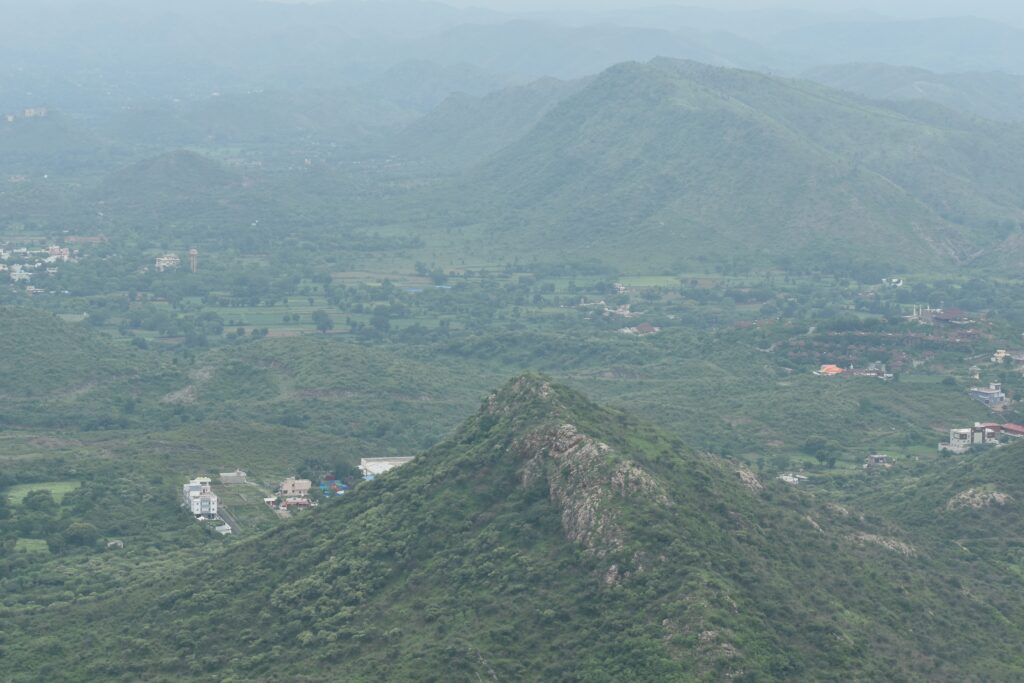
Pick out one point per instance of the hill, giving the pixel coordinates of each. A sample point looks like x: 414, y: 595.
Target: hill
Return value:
x: 672, y: 162
x: 993, y: 95
x: 464, y: 130
x: 547, y: 539
x: 62, y: 374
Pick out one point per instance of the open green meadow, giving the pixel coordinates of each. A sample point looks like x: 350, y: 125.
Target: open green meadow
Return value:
x: 58, y: 489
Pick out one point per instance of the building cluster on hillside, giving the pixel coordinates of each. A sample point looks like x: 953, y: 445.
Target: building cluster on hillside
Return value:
x: 171, y: 261
x: 22, y: 264
x: 963, y: 439
x: 200, y: 499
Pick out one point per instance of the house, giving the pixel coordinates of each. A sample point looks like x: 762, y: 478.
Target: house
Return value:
x: 1014, y: 430
x: 829, y: 371
x: 296, y: 503
x: 993, y: 396
x: 236, y: 477
x: 200, y: 498
x: 295, y: 487
x: 961, y: 440
x: 878, y: 460
x: 372, y: 467
x: 791, y: 478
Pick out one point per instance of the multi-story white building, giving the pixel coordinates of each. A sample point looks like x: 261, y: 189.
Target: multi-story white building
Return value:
x: 961, y: 440
x: 200, y: 498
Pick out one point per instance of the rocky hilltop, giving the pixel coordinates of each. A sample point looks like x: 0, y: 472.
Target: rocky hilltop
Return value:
x: 551, y: 539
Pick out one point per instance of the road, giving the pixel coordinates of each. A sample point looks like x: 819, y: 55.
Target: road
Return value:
x: 230, y: 520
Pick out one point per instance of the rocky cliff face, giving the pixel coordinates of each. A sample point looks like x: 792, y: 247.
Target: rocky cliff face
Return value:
x: 584, y: 476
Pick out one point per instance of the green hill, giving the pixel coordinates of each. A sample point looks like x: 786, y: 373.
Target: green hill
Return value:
x: 993, y: 95
x: 673, y: 162
x: 465, y: 129
x: 61, y: 374
x: 547, y: 539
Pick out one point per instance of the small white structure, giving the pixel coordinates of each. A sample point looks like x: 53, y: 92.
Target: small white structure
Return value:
x: 791, y: 478
x: 200, y: 498
x: 223, y: 529
x: 373, y: 467
x: 236, y: 477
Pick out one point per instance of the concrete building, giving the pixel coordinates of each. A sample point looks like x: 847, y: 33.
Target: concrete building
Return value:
x: 292, y: 487
x: 236, y: 477
x: 961, y: 440
x: 373, y: 467
x: 200, y: 498
x: 993, y: 396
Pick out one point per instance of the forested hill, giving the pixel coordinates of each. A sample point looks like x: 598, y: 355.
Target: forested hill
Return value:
x: 547, y: 539
x: 672, y: 161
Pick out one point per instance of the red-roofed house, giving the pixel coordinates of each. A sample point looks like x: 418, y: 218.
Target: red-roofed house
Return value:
x: 1011, y: 429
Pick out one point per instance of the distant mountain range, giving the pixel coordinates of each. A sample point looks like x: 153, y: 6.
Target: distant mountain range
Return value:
x: 992, y: 95
x: 95, y: 56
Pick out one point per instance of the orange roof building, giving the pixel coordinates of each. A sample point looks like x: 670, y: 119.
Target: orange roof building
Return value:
x: 829, y: 370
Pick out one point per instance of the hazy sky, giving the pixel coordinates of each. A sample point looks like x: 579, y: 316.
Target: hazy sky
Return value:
x: 1002, y: 10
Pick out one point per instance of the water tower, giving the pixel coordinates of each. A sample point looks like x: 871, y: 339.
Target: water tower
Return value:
x: 193, y: 259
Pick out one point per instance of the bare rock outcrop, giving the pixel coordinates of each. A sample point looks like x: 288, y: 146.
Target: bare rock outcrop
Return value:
x: 583, y: 480
x: 977, y: 498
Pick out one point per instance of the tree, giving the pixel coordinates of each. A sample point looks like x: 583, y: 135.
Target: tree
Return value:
x: 322, y: 321
x: 39, y: 501
x: 81, y: 534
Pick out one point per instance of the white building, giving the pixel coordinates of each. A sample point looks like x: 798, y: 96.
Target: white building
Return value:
x: 961, y: 440
x: 167, y: 262
x: 200, y: 498
x: 372, y: 467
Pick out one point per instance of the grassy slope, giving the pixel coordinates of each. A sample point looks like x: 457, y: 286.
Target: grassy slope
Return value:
x: 460, y: 566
